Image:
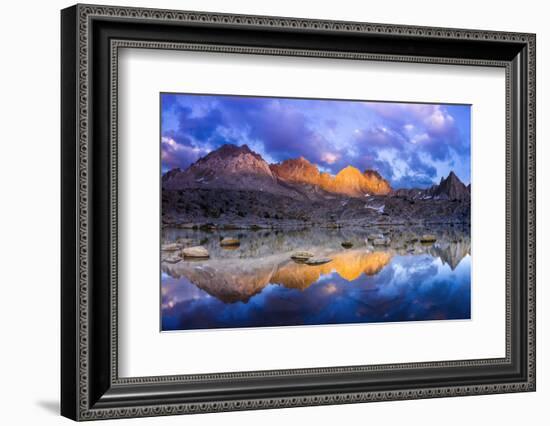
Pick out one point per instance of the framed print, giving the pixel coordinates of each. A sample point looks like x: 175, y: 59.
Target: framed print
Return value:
x: 263, y: 212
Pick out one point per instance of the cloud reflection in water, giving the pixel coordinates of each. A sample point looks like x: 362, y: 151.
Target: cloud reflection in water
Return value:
x: 400, y: 288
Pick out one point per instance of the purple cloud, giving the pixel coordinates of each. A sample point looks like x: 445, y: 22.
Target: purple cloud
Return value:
x: 409, y: 144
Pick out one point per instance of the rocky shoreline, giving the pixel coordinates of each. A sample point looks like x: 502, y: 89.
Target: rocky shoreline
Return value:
x: 208, y: 208
x: 180, y: 244
x: 297, y: 225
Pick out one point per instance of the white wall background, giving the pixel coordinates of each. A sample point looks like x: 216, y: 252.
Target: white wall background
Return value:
x: 29, y: 213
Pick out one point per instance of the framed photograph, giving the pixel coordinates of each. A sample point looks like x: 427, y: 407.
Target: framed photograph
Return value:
x: 263, y: 212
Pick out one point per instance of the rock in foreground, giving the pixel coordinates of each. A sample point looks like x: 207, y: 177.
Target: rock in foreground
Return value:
x: 229, y: 242
x: 197, y: 252
x: 428, y: 238
x: 301, y: 255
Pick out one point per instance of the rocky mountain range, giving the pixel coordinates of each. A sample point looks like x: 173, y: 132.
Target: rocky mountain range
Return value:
x: 235, y: 186
x: 233, y: 167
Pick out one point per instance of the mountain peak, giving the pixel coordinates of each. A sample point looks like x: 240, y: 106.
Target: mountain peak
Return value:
x: 296, y: 170
x: 452, y: 178
x: 352, y: 182
x: 297, y: 161
x: 451, y: 187
x: 349, y: 171
x: 230, y: 149
x: 229, y: 166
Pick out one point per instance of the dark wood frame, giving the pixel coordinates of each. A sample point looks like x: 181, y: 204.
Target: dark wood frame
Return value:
x: 91, y: 37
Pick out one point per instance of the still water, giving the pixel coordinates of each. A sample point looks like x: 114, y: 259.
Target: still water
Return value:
x: 257, y: 284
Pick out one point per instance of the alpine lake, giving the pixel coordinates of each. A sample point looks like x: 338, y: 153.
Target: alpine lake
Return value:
x: 314, y: 276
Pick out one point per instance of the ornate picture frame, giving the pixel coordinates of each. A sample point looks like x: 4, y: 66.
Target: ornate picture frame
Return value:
x: 91, y: 37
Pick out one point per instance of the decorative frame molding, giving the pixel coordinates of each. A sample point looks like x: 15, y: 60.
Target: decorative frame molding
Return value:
x: 91, y: 388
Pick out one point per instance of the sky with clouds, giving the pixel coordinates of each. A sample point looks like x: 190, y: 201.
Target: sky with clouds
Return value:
x: 411, y: 145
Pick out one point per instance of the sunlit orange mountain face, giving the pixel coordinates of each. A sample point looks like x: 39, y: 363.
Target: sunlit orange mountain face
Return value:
x: 349, y: 181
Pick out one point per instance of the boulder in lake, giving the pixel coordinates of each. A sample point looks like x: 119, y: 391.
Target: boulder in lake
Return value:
x: 347, y: 244
x: 197, y: 252
x: 208, y: 227
x: 172, y: 247
x: 373, y: 237
x: 227, y: 241
x: 428, y: 238
x: 301, y: 255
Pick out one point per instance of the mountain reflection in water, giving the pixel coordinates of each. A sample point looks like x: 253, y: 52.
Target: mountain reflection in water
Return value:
x: 257, y: 284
